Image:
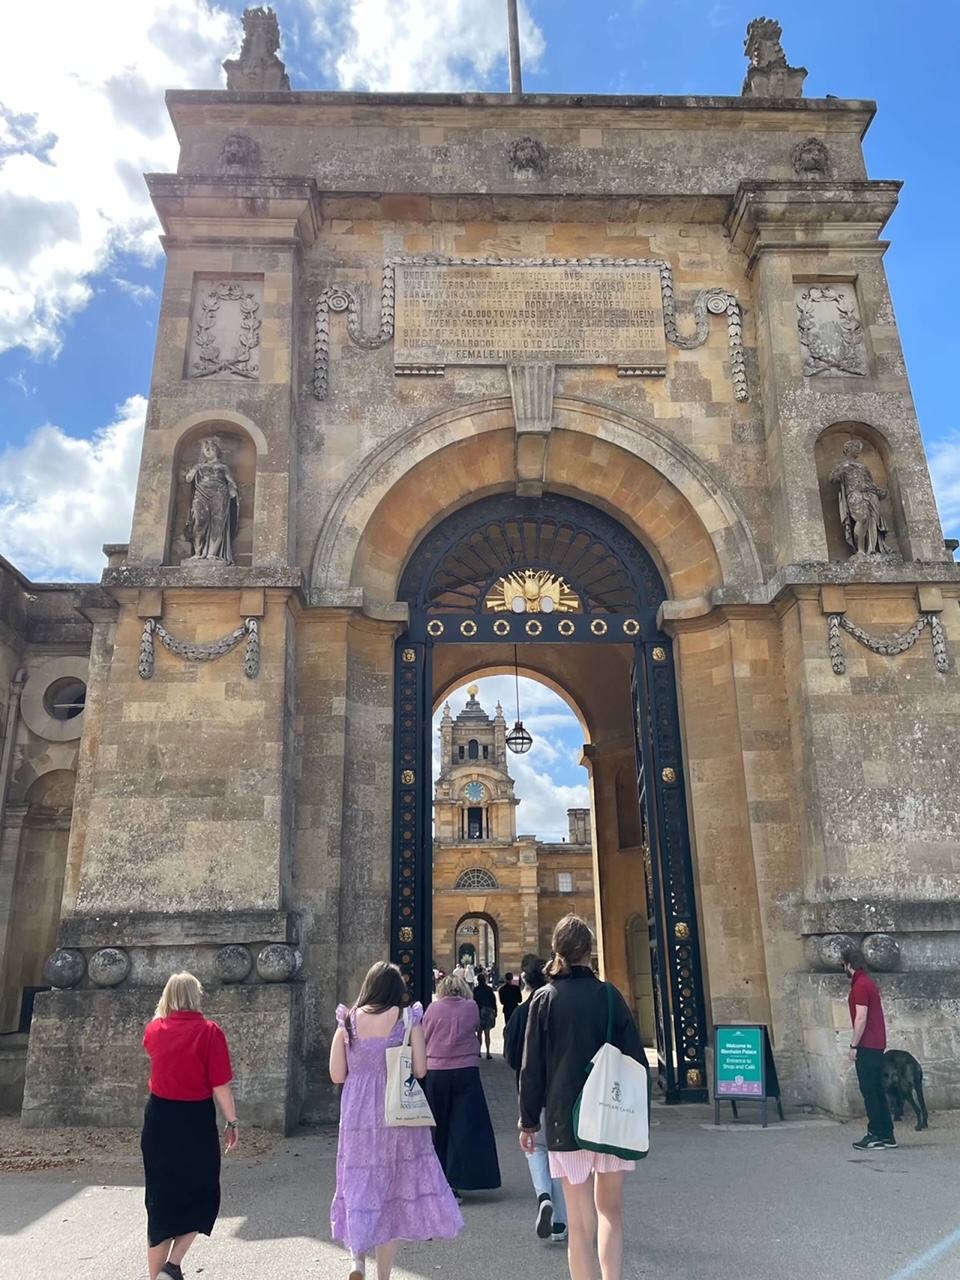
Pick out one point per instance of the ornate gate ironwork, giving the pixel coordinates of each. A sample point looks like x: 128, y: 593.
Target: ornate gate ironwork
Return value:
x: 610, y: 593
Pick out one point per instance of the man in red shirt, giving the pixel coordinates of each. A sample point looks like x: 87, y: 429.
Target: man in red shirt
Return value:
x: 867, y: 1044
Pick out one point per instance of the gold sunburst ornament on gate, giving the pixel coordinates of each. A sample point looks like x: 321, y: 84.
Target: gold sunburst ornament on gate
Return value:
x: 532, y: 591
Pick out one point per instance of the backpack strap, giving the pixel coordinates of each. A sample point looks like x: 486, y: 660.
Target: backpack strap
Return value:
x: 610, y: 1007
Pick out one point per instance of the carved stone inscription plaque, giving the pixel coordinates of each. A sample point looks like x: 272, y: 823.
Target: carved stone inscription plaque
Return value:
x: 499, y: 315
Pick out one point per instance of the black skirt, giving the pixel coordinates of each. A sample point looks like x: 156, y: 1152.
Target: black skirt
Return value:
x: 463, y: 1136
x: 181, y: 1164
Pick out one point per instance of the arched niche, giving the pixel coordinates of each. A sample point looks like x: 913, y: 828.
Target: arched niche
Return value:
x: 239, y: 452
x: 877, y: 456
x: 37, y: 891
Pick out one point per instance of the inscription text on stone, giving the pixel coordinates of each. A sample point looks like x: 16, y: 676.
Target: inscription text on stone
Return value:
x: 503, y: 315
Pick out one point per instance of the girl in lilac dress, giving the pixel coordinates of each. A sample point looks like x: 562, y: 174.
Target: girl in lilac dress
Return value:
x: 390, y: 1186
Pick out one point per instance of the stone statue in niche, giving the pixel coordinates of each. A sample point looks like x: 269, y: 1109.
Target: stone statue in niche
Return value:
x: 863, y: 524
x: 527, y: 158
x: 239, y: 154
x: 830, y: 332
x: 258, y: 67
x: 214, y: 507
x: 811, y: 158
x: 769, y: 75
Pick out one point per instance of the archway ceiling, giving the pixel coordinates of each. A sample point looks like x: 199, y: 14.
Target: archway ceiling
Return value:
x: 598, y: 691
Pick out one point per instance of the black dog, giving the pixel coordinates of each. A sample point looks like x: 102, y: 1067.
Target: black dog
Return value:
x: 903, y: 1082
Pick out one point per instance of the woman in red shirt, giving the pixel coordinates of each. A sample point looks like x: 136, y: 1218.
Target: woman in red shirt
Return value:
x: 180, y: 1143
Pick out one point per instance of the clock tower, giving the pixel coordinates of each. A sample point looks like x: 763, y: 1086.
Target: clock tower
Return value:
x: 475, y: 798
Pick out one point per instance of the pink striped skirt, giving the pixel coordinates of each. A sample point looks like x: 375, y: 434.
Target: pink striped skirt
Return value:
x: 577, y: 1166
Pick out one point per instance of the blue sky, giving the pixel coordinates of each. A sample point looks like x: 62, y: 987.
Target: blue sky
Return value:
x: 83, y: 116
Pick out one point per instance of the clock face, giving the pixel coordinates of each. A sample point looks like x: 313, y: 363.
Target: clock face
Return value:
x: 475, y: 792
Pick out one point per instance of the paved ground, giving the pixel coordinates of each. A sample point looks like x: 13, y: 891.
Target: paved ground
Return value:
x: 794, y: 1202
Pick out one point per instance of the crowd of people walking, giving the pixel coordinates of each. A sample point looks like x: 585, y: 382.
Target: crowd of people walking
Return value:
x: 415, y: 1129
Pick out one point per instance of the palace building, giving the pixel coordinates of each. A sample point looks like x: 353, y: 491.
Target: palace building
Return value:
x: 497, y: 895
x: 605, y: 389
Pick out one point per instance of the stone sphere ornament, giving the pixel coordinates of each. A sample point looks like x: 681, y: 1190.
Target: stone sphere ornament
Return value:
x: 831, y: 945
x: 109, y: 967
x: 881, y: 952
x: 277, y: 962
x: 233, y: 963
x: 65, y: 968
x: 813, y: 953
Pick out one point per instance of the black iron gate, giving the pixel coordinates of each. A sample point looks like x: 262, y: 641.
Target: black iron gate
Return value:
x: 462, y: 584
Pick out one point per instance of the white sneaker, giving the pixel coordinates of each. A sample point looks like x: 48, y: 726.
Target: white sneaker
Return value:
x: 559, y: 1237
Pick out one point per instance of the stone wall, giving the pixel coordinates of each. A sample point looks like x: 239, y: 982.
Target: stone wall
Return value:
x: 202, y: 789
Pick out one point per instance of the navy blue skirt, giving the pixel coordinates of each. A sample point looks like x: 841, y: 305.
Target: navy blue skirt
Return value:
x: 463, y: 1137
x: 181, y: 1165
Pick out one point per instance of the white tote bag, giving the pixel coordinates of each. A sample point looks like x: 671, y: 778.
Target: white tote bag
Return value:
x: 612, y: 1113
x: 405, y: 1103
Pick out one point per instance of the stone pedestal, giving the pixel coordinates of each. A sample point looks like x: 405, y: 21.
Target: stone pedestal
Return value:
x: 86, y: 1064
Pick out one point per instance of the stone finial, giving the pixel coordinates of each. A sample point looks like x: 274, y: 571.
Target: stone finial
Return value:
x: 769, y: 75
x: 258, y: 68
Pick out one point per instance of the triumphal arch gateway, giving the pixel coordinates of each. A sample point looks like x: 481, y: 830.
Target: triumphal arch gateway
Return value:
x: 609, y: 388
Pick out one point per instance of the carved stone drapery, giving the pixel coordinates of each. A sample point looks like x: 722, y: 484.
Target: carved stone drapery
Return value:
x: 889, y: 645
x: 212, y: 334
x: 344, y: 298
x: 830, y: 332
x: 194, y: 651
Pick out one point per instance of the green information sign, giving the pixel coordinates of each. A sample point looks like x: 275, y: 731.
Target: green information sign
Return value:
x: 740, y: 1062
x: 744, y: 1068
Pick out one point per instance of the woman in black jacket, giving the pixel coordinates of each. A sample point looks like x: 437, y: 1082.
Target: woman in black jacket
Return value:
x: 567, y: 1024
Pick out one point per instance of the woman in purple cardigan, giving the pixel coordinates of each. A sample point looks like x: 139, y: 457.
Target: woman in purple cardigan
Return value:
x: 463, y: 1135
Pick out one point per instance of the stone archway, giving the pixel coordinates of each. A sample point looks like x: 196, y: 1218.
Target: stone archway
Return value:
x: 37, y: 892
x: 486, y: 942
x: 656, y: 487
x: 695, y: 537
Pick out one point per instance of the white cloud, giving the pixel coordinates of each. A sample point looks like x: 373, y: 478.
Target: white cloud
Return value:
x: 427, y: 45
x: 61, y: 498
x: 944, y: 458
x: 139, y: 293
x: 82, y: 117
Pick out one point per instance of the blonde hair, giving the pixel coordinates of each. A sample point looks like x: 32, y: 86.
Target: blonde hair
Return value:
x: 452, y: 985
x: 182, y: 994
x: 572, y: 944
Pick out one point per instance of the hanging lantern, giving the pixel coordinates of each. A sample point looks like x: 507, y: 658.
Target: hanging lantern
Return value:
x: 518, y: 740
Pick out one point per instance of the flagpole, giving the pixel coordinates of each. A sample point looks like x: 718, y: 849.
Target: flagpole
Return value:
x: 516, y: 81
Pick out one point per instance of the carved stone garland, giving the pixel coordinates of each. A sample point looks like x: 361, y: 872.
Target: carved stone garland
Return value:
x: 889, y: 645
x: 344, y: 298
x: 240, y: 362
x: 190, y: 651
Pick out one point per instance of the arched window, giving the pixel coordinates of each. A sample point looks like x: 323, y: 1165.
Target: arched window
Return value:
x: 476, y: 878
x: 473, y: 749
